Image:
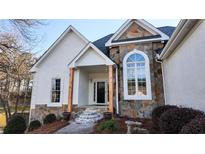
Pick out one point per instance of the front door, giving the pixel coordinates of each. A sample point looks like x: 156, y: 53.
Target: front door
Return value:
x: 100, y: 92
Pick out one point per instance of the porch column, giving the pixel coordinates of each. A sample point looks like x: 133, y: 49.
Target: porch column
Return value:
x: 110, y: 67
x: 70, y: 94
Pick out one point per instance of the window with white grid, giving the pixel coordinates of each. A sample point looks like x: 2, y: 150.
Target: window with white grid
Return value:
x: 136, y: 75
x: 56, y: 90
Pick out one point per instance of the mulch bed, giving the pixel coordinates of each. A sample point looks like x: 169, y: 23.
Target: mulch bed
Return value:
x: 50, y: 128
x: 146, y: 123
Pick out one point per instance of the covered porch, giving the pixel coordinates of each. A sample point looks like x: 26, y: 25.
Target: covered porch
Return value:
x: 91, y: 81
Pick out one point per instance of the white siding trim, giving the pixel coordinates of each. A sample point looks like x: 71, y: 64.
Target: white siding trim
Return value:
x: 137, y: 41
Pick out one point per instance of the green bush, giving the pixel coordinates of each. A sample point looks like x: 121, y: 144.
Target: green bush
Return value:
x: 49, y: 118
x: 16, y: 125
x: 158, y: 111
x: 34, y: 125
x: 109, y: 125
x: 195, y: 126
x: 172, y: 121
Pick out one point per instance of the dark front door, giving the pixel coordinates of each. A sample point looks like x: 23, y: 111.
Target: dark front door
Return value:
x: 100, y: 92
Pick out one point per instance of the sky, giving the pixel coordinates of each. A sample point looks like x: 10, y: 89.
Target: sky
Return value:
x: 92, y: 29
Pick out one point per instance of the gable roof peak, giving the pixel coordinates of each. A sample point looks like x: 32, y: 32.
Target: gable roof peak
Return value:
x: 46, y: 53
x: 85, y: 49
x: 141, y: 22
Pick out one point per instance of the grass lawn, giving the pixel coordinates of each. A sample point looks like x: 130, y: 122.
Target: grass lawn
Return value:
x: 20, y: 108
x: 3, y: 117
x: 2, y: 120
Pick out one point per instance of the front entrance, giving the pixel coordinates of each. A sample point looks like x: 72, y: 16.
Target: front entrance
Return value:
x: 100, y: 92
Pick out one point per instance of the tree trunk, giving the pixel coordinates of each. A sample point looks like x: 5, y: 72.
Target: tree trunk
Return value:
x: 25, y: 95
x: 18, y: 96
x: 5, y: 100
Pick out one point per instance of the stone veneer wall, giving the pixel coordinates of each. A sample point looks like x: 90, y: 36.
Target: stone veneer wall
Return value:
x: 139, y: 108
x: 41, y: 111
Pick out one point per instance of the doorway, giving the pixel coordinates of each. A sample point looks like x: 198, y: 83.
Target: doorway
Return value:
x: 100, y: 92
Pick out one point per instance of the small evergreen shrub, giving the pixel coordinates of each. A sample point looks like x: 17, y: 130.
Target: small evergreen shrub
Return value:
x: 16, y: 125
x: 34, y: 125
x: 49, y: 118
x: 195, y: 126
x: 172, y: 121
x: 108, y: 125
x: 158, y: 111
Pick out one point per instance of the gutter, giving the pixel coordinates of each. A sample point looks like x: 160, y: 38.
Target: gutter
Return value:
x: 183, y: 28
x: 117, y: 102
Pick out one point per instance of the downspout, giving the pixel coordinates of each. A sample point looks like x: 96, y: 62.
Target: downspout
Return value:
x: 163, y: 79
x: 116, y: 99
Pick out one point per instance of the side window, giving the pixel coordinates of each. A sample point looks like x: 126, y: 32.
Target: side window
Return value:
x: 56, y: 90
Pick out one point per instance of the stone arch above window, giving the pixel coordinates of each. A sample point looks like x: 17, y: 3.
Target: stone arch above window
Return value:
x: 136, y: 76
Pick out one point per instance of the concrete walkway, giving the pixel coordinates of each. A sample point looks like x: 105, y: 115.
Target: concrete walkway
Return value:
x: 74, y: 128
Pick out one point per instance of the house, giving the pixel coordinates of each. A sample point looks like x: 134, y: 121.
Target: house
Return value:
x: 183, y: 64
x: 118, y: 73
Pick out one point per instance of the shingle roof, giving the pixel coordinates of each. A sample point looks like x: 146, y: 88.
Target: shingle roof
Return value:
x: 100, y: 43
x: 168, y: 30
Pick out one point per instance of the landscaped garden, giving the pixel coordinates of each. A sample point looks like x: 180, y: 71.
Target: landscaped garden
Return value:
x: 17, y: 125
x: 165, y: 119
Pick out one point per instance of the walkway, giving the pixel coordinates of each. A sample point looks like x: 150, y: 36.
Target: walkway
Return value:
x: 74, y: 128
x: 84, y: 123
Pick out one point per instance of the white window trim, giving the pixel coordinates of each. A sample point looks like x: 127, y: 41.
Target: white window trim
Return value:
x: 148, y: 81
x: 55, y: 104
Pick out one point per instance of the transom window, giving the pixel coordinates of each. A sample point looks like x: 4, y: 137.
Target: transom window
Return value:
x: 136, y: 75
x: 56, y: 90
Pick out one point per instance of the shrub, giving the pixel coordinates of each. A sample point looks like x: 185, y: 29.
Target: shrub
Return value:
x: 108, y: 125
x: 195, y: 126
x: 34, y: 125
x: 172, y: 121
x: 158, y: 111
x: 16, y: 125
x: 49, y: 119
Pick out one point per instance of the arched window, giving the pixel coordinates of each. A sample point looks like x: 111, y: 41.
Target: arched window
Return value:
x: 136, y: 75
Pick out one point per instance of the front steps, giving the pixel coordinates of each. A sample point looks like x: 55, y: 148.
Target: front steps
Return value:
x: 90, y: 115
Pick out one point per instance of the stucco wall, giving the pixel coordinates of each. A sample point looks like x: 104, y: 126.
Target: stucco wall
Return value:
x: 184, y: 72
x: 90, y: 58
x: 56, y: 65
